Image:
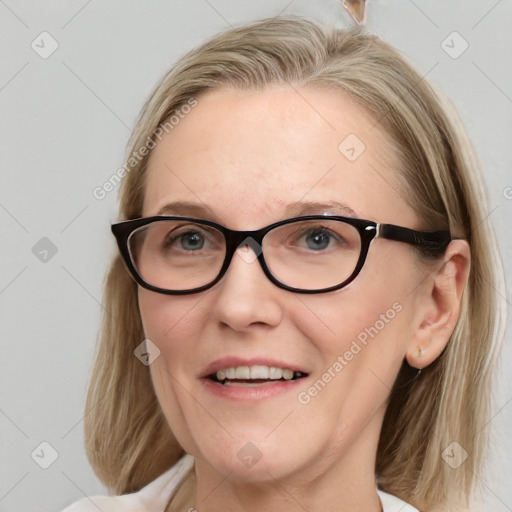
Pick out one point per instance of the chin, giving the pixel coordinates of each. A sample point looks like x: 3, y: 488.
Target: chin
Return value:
x: 249, y: 462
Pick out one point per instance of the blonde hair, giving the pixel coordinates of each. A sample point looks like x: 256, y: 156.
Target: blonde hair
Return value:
x: 128, y: 440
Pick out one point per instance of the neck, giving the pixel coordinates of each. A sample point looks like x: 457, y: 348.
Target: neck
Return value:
x: 288, y: 496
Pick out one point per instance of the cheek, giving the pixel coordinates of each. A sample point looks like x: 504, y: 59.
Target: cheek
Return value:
x: 368, y: 324
x: 166, y: 318
x: 360, y: 342
x: 334, y: 324
x: 173, y: 324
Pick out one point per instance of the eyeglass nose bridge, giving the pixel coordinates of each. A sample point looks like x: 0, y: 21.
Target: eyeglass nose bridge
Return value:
x: 251, y: 239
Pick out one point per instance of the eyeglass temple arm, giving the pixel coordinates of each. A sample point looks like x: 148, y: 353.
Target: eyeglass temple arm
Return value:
x: 434, y: 240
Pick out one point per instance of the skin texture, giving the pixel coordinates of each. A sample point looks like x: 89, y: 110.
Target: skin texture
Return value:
x: 246, y: 155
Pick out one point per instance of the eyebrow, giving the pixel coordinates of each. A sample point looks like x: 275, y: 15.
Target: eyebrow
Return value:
x: 295, y: 209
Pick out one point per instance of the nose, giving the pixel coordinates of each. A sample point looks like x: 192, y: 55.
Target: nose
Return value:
x: 245, y: 296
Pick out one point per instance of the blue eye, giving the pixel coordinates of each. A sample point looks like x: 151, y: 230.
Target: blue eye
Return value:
x: 318, y: 239
x: 191, y: 240
x: 315, y: 239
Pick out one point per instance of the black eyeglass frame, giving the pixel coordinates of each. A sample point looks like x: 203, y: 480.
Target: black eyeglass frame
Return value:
x: 434, y: 242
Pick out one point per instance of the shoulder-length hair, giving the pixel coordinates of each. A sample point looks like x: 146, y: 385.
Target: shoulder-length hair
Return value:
x: 128, y: 440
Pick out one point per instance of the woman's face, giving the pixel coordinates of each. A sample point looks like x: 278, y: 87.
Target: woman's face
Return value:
x: 246, y: 159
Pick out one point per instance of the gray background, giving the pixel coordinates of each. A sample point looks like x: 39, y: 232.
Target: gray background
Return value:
x: 64, y: 124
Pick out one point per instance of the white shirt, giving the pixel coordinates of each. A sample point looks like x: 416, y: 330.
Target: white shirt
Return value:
x: 155, y: 496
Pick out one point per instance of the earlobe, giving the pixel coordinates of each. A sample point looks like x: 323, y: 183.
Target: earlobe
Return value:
x: 439, y: 307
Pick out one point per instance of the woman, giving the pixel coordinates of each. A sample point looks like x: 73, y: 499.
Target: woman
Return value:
x: 302, y: 313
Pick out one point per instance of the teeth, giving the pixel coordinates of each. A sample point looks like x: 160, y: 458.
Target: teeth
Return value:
x: 275, y: 373
x: 255, y: 372
x: 259, y: 372
x: 242, y: 372
x: 287, y: 374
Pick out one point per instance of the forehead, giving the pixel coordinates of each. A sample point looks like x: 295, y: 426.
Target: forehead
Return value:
x: 245, y: 156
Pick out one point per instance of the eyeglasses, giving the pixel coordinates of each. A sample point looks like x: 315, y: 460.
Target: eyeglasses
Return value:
x: 308, y: 254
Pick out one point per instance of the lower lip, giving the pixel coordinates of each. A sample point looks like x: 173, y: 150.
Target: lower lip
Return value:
x: 251, y: 392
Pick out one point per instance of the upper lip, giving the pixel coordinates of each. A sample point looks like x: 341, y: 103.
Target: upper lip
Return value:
x: 233, y: 362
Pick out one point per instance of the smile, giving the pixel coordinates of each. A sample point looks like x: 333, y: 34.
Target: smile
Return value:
x: 254, y: 375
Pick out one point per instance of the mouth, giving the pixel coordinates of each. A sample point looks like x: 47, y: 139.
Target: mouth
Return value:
x: 256, y: 375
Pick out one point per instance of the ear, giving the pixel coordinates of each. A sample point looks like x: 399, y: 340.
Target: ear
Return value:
x: 439, y: 306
